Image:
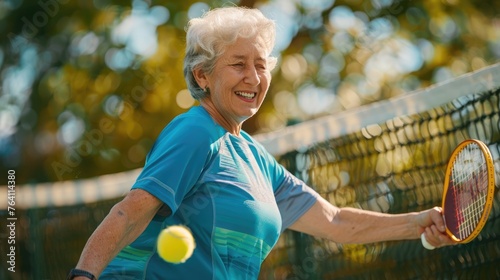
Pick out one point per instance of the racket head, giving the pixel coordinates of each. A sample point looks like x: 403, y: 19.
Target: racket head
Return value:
x: 468, y: 190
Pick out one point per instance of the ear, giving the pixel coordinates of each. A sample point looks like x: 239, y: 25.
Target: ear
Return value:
x: 200, y: 77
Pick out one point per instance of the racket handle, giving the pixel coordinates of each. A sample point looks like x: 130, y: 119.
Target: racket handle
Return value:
x: 426, y: 244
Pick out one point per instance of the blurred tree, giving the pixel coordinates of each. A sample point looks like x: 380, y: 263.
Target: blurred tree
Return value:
x: 86, y: 86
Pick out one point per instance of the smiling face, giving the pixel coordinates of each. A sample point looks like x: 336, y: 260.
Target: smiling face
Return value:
x: 238, y: 83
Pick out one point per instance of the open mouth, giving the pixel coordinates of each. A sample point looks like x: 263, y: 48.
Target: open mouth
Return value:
x: 246, y: 95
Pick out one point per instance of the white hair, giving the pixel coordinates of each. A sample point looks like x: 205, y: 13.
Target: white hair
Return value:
x: 208, y: 36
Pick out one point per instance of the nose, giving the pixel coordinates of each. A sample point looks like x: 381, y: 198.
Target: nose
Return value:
x: 252, y: 76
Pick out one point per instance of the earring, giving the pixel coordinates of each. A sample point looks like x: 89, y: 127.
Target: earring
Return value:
x: 206, y: 90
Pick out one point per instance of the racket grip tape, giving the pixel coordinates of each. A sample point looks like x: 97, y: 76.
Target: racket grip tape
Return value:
x: 426, y: 244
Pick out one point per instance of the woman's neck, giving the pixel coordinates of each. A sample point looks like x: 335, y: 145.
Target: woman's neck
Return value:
x: 229, y: 125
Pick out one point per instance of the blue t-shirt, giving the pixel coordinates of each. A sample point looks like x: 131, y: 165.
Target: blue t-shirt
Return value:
x: 232, y: 194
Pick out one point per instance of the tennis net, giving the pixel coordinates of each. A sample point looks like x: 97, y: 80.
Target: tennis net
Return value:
x: 389, y: 156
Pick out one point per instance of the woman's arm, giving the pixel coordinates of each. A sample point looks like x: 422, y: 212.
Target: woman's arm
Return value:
x: 124, y: 223
x: 351, y: 225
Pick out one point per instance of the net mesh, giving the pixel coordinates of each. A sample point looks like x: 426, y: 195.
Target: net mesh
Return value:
x: 394, y: 167
x: 391, y: 165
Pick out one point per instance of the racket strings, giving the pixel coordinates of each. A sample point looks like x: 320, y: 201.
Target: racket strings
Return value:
x: 469, y: 182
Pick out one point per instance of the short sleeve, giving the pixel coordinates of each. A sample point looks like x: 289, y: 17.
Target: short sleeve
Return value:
x: 292, y: 195
x: 294, y: 198
x: 176, y: 161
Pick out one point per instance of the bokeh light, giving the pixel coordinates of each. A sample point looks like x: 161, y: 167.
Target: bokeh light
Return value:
x: 184, y: 99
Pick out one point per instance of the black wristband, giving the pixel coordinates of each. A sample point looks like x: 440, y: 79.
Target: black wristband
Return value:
x: 79, y: 272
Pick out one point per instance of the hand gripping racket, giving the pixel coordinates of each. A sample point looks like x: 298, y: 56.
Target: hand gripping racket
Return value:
x: 468, y: 191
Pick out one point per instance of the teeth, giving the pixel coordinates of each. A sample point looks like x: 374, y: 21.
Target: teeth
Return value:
x: 248, y: 95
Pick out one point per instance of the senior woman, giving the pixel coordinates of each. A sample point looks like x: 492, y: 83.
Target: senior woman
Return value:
x: 206, y: 173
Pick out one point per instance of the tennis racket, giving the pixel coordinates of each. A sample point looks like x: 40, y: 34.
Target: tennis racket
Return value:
x: 468, y: 191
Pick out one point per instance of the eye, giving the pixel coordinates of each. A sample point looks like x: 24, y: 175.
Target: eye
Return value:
x: 238, y: 64
x: 261, y: 66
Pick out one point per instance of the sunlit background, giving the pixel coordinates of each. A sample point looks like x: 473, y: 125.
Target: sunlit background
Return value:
x: 86, y: 86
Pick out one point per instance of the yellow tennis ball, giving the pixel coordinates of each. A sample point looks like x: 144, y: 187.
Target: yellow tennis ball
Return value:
x: 175, y: 244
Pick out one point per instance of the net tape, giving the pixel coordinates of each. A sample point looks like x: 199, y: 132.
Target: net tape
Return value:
x: 297, y: 137
x: 293, y: 138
